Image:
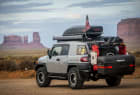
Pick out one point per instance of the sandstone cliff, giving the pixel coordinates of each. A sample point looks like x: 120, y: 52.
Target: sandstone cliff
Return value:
x: 129, y: 31
x: 18, y: 42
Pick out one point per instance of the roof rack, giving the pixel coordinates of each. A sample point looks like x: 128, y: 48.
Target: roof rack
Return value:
x: 82, y: 38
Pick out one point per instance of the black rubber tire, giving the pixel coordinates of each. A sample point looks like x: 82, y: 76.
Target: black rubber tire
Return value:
x: 113, y: 80
x: 109, y: 50
x: 78, y: 82
x: 45, y: 81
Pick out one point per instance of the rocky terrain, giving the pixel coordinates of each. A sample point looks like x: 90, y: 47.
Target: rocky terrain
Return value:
x: 129, y: 31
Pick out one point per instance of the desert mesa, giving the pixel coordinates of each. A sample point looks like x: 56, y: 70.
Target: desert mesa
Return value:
x: 19, y: 42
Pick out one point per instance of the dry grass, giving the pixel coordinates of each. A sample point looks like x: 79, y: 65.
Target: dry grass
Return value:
x: 17, y: 74
x: 29, y: 56
x: 137, y: 61
x: 31, y: 74
x: 17, y: 63
x: 19, y: 53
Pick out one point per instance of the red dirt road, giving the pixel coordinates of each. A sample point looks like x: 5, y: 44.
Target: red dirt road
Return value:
x: 29, y: 87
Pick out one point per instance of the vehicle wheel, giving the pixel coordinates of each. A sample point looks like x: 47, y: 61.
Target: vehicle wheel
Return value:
x: 42, y: 77
x: 75, y: 79
x: 113, y: 81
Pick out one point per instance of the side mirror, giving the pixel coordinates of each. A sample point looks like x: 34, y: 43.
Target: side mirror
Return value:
x: 49, y: 53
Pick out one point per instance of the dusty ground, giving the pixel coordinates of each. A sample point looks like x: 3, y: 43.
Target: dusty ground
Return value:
x: 29, y: 87
x: 31, y: 74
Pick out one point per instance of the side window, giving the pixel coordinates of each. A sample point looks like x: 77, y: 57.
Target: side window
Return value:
x: 56, y: 51
x: 65, y: 50
x: 81, y: 50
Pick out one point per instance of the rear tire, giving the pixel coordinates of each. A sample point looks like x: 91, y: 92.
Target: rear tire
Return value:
x: 75, y: 79
x: 113, y: 80
x: 42, y: 78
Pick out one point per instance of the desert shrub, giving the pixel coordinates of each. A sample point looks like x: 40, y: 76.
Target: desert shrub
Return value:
x: 26, y: 65
x: 1, y: 66
x: 8, y: 65
x: 11, y: 66
x: 137, y: 53
x: 17, y: 63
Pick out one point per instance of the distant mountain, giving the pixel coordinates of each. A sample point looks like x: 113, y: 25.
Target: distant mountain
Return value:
x: 129, y: 31
x: 18, y: 42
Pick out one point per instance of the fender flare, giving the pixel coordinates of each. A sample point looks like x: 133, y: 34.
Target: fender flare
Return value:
x: 81, y: 67
x: 39, y: 65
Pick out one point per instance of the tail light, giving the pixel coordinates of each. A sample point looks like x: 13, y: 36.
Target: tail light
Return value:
x: 122, y: 49
x: 95, y: 67
x: 84, y: 59
x: 131, y: 65
x: 105, y: 67
x: 95, y: 48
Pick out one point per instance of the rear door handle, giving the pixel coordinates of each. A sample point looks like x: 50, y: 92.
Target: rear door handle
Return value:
x: 57, y: 59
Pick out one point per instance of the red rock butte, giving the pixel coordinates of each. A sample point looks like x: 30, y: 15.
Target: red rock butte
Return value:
x: 129, y: 31
x: 19, y: 42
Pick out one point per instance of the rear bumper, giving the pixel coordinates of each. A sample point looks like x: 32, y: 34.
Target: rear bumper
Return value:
x: 116, y: 65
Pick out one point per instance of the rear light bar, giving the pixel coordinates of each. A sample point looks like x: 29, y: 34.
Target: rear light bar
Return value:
x: 105, y: 67
x: 95, y: 67
x: 84, y: 59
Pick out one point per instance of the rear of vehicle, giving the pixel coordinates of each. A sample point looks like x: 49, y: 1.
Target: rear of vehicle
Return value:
x: 110, y: 61
x: 107, y: 56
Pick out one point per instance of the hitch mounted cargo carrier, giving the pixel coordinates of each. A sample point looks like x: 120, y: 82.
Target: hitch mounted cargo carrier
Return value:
x: 116, y: 65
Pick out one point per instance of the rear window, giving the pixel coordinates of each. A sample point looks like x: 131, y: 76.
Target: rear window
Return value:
x: 65, y: 50
x: 81, y: 50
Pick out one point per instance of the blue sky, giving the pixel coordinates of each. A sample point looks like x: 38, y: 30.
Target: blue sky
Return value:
x: 51, y: 17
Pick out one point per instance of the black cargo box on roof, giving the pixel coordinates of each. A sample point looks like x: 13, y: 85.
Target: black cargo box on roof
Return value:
x: 94, y: 31
x: 116, y: 65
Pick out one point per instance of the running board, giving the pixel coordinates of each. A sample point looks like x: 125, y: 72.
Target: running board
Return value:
x: 58, y: 77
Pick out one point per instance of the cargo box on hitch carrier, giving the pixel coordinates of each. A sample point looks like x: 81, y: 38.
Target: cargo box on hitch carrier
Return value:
x: 116, y: 65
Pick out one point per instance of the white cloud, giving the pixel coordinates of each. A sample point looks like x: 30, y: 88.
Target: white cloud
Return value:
x: 114, y: 9
x: 56, y: 2
x: 59, y: 4
x: 23, y: 2
x: 36, y: 16
x: 108, y: 10
x: 40, y: 8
